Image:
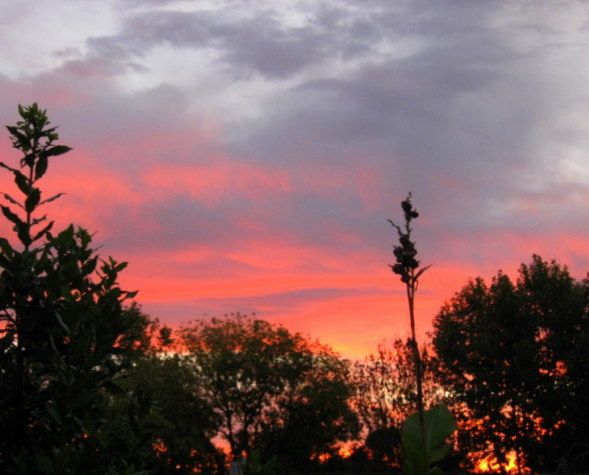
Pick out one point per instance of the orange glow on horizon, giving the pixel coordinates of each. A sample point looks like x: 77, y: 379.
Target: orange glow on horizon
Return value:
x: 345, y: 452
x: 323, y: 458
x: 341, y: 293
x: 490, y: 464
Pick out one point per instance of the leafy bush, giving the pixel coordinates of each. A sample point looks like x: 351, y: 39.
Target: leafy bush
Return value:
x: 65, y: 335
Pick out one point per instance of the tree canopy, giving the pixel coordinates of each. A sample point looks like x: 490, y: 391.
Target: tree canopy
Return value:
x: 515, y: 354
x: 273, y: 390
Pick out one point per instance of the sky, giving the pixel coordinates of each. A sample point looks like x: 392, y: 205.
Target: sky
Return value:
x: 244, y: 156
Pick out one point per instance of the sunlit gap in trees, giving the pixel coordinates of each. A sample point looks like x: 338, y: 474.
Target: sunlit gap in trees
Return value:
x: 490, y: 464
x: 487, y: 462
x: 345, y: 451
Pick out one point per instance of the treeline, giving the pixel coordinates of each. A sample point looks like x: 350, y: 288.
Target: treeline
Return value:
x: 91, y: 385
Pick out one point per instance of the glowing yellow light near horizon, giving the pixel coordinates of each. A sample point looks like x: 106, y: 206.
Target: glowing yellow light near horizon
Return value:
x: 345, y: 452
x: 489, y: 464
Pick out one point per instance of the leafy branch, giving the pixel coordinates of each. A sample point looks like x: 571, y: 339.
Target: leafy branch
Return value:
x: 35, y: 139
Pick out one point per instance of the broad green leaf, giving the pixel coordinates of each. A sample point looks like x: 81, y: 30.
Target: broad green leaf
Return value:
x: 438, y: 453
x: 422, y: 449
x: 440, y: 425
x: 435, y: 471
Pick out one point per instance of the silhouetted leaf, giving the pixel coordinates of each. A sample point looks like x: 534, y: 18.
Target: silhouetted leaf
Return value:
x: 119, y: 267
x: 53, y: 198
x: 22, y: 230
x: 41, y: 166
x: 5, y: 246
x: 43, y: 231
x: 35, y: 221
x: 3, y: 165
x: 17, y: 134
x: 12, y: 200
x: 56, y: 150
x: 6, y: 211
x: 90, y: 266
x: 32, y: 200
x: 421, y: 271
x: 22, y: 182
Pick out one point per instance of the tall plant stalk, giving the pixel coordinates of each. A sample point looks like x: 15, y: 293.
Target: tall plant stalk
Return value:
x: 424, y: 434
x: 411, y: 289
x: 407, y: 267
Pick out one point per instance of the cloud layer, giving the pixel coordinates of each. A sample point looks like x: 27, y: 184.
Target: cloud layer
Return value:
x: 244, y: 156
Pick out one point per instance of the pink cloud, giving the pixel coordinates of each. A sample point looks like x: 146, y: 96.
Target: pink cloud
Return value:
x: 294, y: 226
x: 216, y: 178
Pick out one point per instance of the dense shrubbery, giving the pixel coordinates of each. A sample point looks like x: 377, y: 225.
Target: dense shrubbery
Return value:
x: 92, y: 385
x: 65, y: 335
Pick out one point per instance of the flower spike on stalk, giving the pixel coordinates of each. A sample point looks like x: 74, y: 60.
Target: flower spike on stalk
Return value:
x: 405, y: 253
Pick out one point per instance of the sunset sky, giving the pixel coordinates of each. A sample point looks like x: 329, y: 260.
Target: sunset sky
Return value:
x: 244, y: 155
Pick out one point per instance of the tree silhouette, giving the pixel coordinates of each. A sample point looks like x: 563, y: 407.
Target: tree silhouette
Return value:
x: 515, y: 355
x: 273, y: 390
x: 65, y: 335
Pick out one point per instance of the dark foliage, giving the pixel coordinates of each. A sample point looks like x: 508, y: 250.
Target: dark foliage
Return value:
x: 515, y: 355
x: 65, y: 336
x: 384, y: 397
x: 272, y: 390
x: 170, y: 421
